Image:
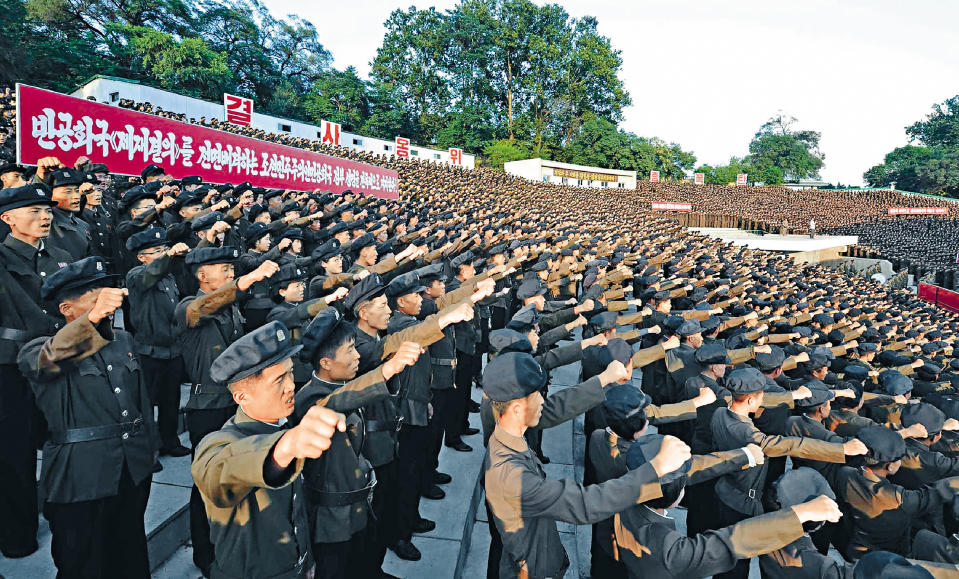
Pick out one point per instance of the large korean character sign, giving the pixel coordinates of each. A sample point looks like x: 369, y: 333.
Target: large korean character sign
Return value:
x: 654, y: 176
x: 456, y: 156
x: 741, y: 179
x: 330, y: 132
x: 699, y: 178
x: 402, y: 147
x: 239, y: 110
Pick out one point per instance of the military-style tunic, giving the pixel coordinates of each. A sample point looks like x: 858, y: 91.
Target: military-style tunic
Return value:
x: 70, y: 234
x: 153, y: 300
x: 526, y: 505
x: 88, y: 385
x: 207, y: 324
x: 259, y: 527
x: 338, y: 483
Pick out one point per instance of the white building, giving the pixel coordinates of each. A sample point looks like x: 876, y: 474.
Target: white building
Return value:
x: 110, y: 90
x: 568, y: 174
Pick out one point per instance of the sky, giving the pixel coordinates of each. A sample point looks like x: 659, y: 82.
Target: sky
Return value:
x: 707, y: 73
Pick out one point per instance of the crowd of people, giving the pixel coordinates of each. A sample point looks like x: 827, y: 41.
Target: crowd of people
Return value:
x: 331, y: 343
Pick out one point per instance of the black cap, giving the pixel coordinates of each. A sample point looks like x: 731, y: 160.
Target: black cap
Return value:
x: 926, y: 414
x: 507, y: 340
x: 623, y: 402
x: 135, y: 194
x: 820, y: 395
x: 206, y: 221
x: 319, y: 330
x: 895, y: 382
x: 774, y: 359
x: 714, y: 353
x: 327, y: 251
x: 886, y: 565
x: 800, y: 485
x: 265, y: 346
x: 689, y: 327
x: 404, y: 284
x: 511, y: 376
x: 191, y: 180
x: 287, y: 273
x: 151, y: 170
x: 254, y: 232
x: 603, y: 321
x: 524, y: 319
x: 254, y: 211
x: 597, y: 358
x: 63, y: 177
x: 745, y: 381
x: 884, y: 445
x: 531, y: 287
x: 26, y: 196
x: 89, y: 272
x: 150, y: 237
x: 362, y: 241
x: 292, y: 233
x: 364, y: 290
x: 209, y: 255
x: 465, y: 258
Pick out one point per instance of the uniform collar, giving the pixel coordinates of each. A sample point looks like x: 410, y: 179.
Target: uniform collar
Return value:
x: 243, y: 420
x: 23, y: 249
x: 515, y: 443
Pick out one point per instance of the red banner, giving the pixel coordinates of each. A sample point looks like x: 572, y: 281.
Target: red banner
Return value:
x: 50, y: 124
x: 654, y: 176
x: 741, y: 179
x: 918, y: 211
x: 939, y: 296
x: 672, y: 206
x: 402, y: 147
x: 456, y: 156
x: 330, y: 132
x: 699, y: 178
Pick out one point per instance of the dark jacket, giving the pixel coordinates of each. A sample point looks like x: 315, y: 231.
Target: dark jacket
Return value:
x: 87, y: 377
x: 153, y: 299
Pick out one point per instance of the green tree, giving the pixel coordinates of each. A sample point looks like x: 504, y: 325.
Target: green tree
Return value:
x: 940, y: 128
x: 341, y: 97
x: 505, y: 150
x: 795, y: 153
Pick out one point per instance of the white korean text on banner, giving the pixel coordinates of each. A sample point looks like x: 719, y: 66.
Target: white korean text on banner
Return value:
x: 51, y: 124
x: 665, y: 206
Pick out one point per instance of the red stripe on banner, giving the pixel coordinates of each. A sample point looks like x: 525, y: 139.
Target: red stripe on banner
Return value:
x: 51, y: 124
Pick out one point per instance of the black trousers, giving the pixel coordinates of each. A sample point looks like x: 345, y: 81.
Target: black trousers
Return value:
x: 346, y: 559
x: 467, y: 367
x: 414, y: 471
x: 18, y: 464
x: 701, y: 510
x: 102, y: 538
x: 386, y: 509
x: 495, y: 546
x: 728, y: 516
x: 163, y: 378
x: 200, y: 423
x: 444, y: 403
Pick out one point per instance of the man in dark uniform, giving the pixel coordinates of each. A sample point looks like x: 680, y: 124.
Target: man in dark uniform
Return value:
x: 740, y: 494
x: 153, y: 300
x: 207, y: 324
x: 259, y: 303
x: 98, y: 461
x: 340, y: 483
x: 525, y: 505
x: 249, y: 470
x: 101, y: 219
x: 25, y: 261
x: 649, y: 545
x: 68, y: 232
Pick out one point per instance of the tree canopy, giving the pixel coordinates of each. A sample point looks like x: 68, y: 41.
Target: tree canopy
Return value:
x: 931, y: 165
x: 503, y: 78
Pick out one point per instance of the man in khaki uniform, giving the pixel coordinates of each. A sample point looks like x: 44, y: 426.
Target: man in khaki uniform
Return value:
x: 249, y: 471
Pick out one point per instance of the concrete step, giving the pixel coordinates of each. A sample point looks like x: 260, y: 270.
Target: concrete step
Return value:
x: 166, y: 522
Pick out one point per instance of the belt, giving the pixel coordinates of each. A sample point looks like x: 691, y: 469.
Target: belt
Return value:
x: 123, y: 430
x: 443, y: 362
x: 209, y: 389
x: 384, y: 425
x: 15, y: 335
x: 335, y: 499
